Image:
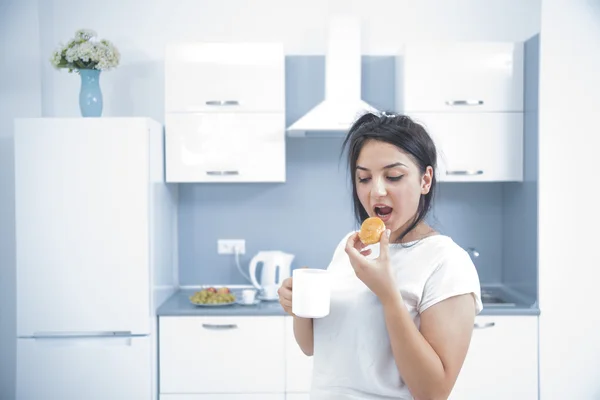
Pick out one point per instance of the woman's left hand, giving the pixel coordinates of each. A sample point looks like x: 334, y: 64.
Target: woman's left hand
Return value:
x: 375, y: 273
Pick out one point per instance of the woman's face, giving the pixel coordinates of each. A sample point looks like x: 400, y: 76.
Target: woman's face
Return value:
x: 389, y: 184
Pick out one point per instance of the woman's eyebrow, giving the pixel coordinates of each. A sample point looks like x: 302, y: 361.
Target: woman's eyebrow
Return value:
x: 398, y: 164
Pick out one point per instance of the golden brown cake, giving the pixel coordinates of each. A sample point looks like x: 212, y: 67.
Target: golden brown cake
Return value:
x: 371, y: 230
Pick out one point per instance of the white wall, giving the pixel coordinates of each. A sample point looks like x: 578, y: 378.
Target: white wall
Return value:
x: 20, y: 86
x: 141, y: 30
x: 569, y: 216
x: 30, y: 86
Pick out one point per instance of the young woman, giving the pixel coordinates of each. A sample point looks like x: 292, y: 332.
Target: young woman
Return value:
x: 402, y: 310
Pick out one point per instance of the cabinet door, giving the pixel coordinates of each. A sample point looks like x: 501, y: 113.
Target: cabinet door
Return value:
x: 225, y: 147
x: 228, y: 355
x: 89, y: 235
x: 91, y: 368
x: 502, y: 360
x: 240, y: 396
x: 298, y: 371
x: 297, y: 396
x: 217, y: 77
x: 462, y: 77
x: 476, y: 147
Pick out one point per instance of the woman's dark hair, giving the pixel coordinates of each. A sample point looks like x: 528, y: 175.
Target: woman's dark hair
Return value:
x: 402, y: 132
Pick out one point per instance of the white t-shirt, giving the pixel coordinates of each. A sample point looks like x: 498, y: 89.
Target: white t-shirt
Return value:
x: 352, y: 353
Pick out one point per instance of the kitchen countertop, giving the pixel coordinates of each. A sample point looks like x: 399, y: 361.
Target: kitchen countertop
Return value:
x: 179, y: 305
x: 501, y: 300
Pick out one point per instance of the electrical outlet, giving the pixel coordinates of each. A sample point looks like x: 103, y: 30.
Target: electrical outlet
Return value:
x: 227, y: 246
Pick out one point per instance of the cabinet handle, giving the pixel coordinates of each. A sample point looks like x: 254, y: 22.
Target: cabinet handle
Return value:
x: 464, y: 102
x: 484, y: 326
x: 71, y: 335
x: 219, y: 326
x: 222, y: 173
x: 465, y: 172
x: 222, y: 103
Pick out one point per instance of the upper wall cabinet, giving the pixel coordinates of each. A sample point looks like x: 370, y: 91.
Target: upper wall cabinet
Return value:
x: 225, y: 147
x: 476, y: 147
x: 213, y: 77
x: 460, y: 77
x: 225, y: 112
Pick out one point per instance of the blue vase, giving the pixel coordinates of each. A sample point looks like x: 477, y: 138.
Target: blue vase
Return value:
x: 90, y: 95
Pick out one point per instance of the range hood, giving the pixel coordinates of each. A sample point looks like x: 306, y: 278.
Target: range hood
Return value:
x: 343, y: 103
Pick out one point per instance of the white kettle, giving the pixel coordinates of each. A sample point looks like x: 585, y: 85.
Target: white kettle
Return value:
x: 276, y: 266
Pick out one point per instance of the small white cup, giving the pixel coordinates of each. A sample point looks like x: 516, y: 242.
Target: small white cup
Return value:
x: 248, y: 296
x: 311, y: 293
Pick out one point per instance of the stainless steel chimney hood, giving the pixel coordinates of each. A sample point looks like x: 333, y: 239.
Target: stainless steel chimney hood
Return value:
x: 343, y: 103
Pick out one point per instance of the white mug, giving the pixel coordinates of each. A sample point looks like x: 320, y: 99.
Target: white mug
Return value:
x: 311, y: 293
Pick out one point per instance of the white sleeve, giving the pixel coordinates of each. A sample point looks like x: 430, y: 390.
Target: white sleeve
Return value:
x: 339, y: 254
x: 455, y: 275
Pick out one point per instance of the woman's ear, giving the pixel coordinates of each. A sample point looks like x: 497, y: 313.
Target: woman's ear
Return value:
x: 426, y: 180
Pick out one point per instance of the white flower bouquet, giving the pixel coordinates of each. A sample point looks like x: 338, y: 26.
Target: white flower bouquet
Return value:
x: 82, y: 52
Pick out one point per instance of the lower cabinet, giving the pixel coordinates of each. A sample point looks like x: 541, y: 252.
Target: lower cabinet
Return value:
x: 298, y: 371
x: 297, y: 396
x: 502, y: 362
x: 222, y: 357
x: 257, y: 357
x: 240, y: 396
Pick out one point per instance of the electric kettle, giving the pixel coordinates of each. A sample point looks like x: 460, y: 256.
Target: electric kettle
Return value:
x: 276, y: 266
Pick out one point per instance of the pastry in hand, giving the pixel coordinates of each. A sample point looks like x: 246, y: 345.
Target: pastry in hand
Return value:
x: 371, y: 230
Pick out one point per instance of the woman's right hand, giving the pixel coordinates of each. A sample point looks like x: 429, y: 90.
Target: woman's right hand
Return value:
x: 285, y: 295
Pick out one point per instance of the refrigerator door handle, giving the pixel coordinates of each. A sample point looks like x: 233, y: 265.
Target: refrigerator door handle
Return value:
x: 72, y: 335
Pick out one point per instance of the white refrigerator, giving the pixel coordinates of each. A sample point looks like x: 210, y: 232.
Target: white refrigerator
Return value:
x: 95, y: 253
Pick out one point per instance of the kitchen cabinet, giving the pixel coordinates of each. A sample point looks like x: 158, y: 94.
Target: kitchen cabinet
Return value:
x: 502, y: 360
x: 256, y: 357
x: 225, y: 147
x: 297, y: 396
x: 482, y: 147
x: 461, y: 77
x: 298, y: 366
x: 218, y: 77
x: 238, y: 357
x: 243, y: 396
x: 225, y: 112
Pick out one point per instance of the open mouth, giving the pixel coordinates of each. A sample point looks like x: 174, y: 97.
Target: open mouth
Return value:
x: 383, y: 212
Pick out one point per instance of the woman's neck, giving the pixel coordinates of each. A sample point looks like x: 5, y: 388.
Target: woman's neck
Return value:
x: 422, y: 230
